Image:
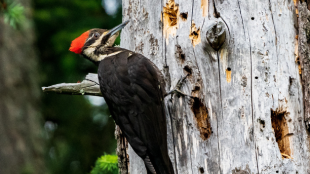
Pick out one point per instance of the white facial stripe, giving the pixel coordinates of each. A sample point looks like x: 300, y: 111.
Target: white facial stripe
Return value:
x: 90, y: 38
x: 97, y: 42
x: 90, y: 50
x: 101, y: 57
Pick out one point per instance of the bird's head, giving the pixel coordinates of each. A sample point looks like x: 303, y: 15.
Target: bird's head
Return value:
x: 92, y: 43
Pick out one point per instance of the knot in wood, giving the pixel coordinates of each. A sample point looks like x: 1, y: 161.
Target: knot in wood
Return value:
x: 216, y: 35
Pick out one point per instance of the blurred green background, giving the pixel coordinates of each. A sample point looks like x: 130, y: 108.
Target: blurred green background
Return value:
x: 74, y: 130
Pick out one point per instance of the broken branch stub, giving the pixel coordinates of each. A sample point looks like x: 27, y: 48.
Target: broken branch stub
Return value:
x: 216, y: 35
x: 89, y: 86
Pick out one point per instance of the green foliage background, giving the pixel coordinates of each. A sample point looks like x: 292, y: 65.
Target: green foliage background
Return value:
x: 13, y: 14
x: 77, y: 132
x: 106, y: 164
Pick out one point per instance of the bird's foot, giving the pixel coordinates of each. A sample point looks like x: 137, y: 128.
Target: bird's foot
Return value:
x: 176, y: 89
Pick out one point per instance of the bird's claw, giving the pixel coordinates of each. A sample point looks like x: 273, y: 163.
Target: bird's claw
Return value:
x: 177, y: 88
x: 180, y: 82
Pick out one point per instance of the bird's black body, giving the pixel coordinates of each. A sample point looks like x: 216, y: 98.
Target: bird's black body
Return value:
x: 134, y: 90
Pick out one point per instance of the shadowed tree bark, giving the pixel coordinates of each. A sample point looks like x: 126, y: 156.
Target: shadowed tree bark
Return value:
x: 21, y: 143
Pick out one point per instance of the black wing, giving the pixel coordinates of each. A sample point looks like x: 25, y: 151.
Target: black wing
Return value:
x: 134, y: 90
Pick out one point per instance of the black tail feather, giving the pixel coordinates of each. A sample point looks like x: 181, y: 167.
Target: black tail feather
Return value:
x: 149, y: 166
x: 158, y: 165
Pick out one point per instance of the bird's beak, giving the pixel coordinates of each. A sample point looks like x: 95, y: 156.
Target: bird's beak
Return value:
x: 117, y: 28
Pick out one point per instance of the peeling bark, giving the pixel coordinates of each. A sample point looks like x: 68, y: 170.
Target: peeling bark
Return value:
x: 122, y: 151
x: 303, y: 54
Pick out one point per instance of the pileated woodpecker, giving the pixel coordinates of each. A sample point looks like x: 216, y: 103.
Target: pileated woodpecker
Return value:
x: 134, y: 89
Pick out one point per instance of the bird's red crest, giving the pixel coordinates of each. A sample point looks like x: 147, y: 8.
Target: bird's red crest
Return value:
x: 78, y: 43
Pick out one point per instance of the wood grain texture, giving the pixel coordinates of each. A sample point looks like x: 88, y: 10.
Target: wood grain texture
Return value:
x: 144, y: 35
x: 303, y: 57
x: 253, y: 73
x: 121, y: 151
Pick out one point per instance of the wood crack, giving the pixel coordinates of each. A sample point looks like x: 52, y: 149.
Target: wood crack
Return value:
x: 171, y: 122
x: 241, y: 19
x: 276, y: 39
x: 191, y: 31
x: 192, y: 14
x: 252, y: 108
x: 227, y: 28
x: 216, y: 13
x: 203, y: 23
x: 274, y: 27
x: 218, y: 139
x: 191, y: 160
x: 167, y: 77
x: 163, y: 40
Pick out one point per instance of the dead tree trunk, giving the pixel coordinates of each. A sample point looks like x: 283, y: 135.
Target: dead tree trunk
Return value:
x: 248, y: 111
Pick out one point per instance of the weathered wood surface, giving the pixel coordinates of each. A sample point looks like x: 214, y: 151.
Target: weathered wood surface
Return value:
x: 249, y: 85
x: 89, y: 86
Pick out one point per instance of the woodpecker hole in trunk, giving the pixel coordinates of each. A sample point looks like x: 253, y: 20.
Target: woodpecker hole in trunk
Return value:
x: 195, y: 35
x: 228, y: 75
x: 170, y: 18
x: 171, y: 11
x: 201, y: 114
x: 179, y: 54
x: 195, y: 91
x: 262, y: 124
x: 184, y: 16
x: 188, y: 70
x: 298, y: 62
x: 281, y: 132
x: 201, y: 170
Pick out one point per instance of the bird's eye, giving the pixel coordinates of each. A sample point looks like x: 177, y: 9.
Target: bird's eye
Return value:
x: 97, y: 35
